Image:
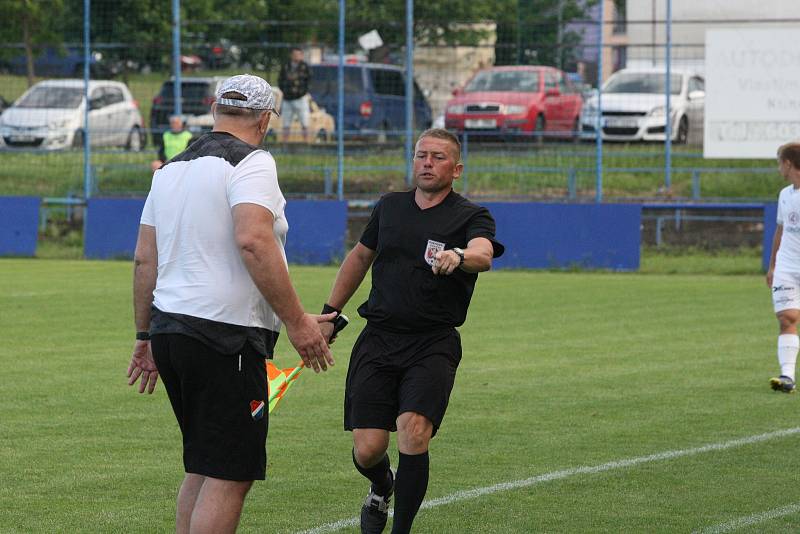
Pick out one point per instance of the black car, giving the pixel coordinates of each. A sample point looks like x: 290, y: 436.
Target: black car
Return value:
x: 197, y: 95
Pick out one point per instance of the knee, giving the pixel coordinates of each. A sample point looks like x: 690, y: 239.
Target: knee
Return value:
x: 788, y: 320
x: 414, y: 432
x: 368, y: 452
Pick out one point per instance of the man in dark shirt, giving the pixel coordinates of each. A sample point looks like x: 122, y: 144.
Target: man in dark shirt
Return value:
x: 293, y: 81
x: 426, y: 248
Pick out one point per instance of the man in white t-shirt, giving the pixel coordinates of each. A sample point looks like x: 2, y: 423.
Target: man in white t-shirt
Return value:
x: 783, y: 276
x: 211, y: 290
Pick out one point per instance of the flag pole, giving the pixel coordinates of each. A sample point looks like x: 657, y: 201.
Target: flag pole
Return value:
x: 288, y: 379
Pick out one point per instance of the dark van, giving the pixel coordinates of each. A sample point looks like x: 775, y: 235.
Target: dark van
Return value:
x: 374, y: 98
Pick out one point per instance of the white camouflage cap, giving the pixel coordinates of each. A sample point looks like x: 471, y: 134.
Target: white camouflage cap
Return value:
x: 257, y: 92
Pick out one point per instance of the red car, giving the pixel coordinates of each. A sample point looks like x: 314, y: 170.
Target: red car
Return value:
x: 516, y: 100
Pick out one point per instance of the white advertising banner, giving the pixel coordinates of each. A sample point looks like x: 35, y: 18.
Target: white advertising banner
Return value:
x: 752, y: 103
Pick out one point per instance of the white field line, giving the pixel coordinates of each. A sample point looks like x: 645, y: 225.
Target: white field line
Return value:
x: 754, y: 519
x: 558, y: 475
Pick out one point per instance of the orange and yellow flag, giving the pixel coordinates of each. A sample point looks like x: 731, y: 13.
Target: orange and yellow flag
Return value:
x: 278, y: 381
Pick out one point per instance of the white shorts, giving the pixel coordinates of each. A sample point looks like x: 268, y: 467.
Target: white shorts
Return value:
x: 785, y: 291
x: 295, y: 108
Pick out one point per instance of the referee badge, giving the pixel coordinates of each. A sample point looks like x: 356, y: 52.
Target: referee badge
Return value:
x: 257, y: 409
x: 431, y: 250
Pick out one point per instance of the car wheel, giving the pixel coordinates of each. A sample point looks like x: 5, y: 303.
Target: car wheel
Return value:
x: 77, y: 139
x: 135, y: 143
x: 683, y: 131
x: 576, y: 130
x: 538, y: 129
x: 382, y: 133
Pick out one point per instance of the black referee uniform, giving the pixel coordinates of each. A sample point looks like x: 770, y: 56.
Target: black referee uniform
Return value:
x: 406, y: 357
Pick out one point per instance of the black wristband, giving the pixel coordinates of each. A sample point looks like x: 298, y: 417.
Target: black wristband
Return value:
x: 143, y: 336
x: 327, y: 308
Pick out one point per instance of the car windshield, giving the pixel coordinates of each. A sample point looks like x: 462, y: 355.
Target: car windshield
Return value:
x: 524, y: 81
x: 52, y: 97
x: 642, y: 82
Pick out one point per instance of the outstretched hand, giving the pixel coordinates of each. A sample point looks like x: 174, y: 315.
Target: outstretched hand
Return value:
x: 143, y: 366
x: 308, y: 340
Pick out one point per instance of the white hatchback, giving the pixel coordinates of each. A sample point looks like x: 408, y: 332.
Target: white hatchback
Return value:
x: 50, y: 115
x: 634, y: 107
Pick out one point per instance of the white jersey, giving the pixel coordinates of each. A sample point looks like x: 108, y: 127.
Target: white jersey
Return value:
x: 788, y: 258
x: 200, y: 270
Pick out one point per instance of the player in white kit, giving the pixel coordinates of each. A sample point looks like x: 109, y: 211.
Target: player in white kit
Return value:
x: 783, y: 276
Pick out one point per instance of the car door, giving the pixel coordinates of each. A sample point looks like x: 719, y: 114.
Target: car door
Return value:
x: 118, y: 115
x: 696, y: 98
x: 388, y: 107
x: 553, y: 107
x: 99, y: 119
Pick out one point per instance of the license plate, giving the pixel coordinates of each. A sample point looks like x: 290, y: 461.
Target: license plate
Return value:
x: 22, y: 138
x: 480, y: 123
x: 622, y: 123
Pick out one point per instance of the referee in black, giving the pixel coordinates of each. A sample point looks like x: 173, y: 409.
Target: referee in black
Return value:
x: 426, y: 248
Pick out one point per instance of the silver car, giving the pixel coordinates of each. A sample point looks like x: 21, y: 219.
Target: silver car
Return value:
x: 634, y: 107
x: 50, y: 115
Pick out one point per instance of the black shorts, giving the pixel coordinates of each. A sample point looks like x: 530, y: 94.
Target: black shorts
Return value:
x: 216, y: 401
x: 390, y: 374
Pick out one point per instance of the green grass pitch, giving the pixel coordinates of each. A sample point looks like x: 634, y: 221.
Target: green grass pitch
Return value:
x: 560, y: 371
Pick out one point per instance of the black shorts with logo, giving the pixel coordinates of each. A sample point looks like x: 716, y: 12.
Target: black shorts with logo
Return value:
x: 216, y: 399
x: 394, y: 373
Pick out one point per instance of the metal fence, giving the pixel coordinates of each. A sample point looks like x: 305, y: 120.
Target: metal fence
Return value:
x: 520, y: 82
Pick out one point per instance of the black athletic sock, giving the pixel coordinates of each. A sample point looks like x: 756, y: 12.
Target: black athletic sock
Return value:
x: 410, y: 485
x: 378, y: 474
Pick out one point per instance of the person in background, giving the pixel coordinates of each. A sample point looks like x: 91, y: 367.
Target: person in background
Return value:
x: 173, y: 142
x: 293, y: 81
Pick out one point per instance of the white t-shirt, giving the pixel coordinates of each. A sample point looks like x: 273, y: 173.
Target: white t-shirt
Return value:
x: 200, y: 269
x: 788, y: 257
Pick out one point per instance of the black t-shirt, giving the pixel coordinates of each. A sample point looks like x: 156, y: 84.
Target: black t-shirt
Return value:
x: 406, y: 296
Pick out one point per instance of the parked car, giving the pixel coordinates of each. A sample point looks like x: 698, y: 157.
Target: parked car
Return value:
x: 321, y: 124
x: 51, y: 115
x: 516, y: 100
x: 197, y: 94
x: 55, y: 62
x: 374, y: 97
x: 634, y: 107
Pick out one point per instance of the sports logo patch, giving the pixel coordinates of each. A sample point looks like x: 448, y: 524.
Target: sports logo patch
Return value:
x: 431, y: 250
x: 256, y: 409
x: 794, y: 218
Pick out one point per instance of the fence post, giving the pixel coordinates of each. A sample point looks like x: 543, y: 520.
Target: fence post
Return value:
x: 87, y: 154
x: 176, y: 56
x: 340, y: 108
x: 695, y: 184
x: 464, y: 156
x: 409, y: 89
x: 668, y: 103
x: 572, y: 186
x: 598, y: 128
x: 326, y: 172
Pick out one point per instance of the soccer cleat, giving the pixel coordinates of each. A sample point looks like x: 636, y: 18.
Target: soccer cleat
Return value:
x: 782, y: 383
x: 375, y: 511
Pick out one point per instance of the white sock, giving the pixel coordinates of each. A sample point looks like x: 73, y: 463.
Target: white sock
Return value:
x: 788, y: 345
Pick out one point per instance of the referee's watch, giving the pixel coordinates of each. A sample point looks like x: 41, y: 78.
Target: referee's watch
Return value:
x: 460, y: 253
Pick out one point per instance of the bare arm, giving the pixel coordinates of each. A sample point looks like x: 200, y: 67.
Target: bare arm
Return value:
x: 776, y: 243
x: 145, y: 271
x: 352, y: 272
x: 263, y: 259
x: 477, y: 258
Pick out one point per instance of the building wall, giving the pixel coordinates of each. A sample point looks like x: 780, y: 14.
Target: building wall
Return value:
x: 688, y: 38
